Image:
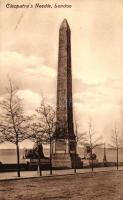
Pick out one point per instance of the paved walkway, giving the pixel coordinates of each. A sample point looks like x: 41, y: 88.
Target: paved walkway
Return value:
x: 30, y: 174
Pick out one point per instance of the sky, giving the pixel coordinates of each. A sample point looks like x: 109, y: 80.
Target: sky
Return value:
x: 29, y: 55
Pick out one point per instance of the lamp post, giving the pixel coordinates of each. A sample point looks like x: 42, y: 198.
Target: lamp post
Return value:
x: 104, y: 157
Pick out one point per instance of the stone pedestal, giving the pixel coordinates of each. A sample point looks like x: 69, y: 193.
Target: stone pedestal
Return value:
x: 60, y: 154
x: 64, y: 154
x: 60, y: 160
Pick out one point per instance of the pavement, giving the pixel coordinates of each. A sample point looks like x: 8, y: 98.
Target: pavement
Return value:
x: 35, y: 174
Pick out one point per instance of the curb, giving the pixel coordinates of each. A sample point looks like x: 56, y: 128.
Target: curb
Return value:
x: 58, y: 175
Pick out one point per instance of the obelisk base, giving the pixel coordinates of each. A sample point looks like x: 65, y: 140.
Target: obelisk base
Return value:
x: 61, y: 156
x: 61, y: 160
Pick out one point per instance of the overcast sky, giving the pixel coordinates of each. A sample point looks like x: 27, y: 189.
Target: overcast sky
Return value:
x: 29, y: 54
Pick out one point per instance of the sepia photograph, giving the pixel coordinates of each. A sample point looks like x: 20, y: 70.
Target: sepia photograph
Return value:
x: 61, y: 100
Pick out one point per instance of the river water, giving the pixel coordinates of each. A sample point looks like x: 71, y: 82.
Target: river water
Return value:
x: 9, y: 155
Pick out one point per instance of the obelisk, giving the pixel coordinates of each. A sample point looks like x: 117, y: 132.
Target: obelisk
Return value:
x: 64, y: 144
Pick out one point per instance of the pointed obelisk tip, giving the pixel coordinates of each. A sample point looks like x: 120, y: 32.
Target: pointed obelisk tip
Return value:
x: 64, y: 24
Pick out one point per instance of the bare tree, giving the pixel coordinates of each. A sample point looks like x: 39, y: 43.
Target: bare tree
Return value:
x: 80, y: 138
x: 116, y: 143
x: 44, y: 128
x: 14, y: 124
x: 93, y: 141
x: 38, y: 136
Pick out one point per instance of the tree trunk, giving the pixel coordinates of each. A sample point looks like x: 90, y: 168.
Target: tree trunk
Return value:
x: 18, y: 159
x: 50, y: 156
x: 75, y: 158
x: 92, y: 167
x: 117, y: 159
x: 39, y: 161
x: 40, y: 172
